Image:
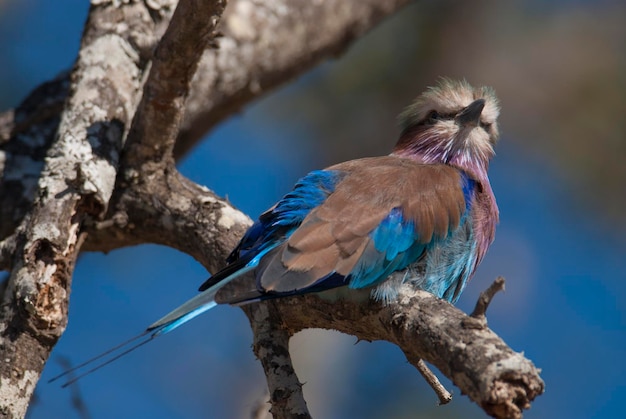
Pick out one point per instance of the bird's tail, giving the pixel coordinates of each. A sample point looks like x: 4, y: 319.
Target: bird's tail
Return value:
x: 181, y: 315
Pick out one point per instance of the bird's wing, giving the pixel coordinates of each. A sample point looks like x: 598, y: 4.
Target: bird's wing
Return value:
x: 277, y: 223
x: 378, y: 217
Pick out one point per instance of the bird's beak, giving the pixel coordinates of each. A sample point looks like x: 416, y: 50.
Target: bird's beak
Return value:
x: 470, y: 115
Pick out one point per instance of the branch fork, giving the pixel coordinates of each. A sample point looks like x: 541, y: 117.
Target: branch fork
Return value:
x: 164, y: 118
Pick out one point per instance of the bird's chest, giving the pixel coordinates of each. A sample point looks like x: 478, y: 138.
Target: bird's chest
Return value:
x: 443, y: 269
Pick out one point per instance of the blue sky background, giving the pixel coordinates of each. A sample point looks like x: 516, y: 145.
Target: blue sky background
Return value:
x: 564, y: 305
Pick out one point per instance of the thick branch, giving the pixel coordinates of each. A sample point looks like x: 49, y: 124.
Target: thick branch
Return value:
x: 492, y: 375
x: 271, y: 347
x: 173, y: 211
x: 74, y: 184
x: 266, y: 46
x: 26, y: 139
x: 157, y: 120
x: 142, y: 209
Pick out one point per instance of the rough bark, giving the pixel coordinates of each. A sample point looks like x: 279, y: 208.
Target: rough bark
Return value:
x: 474, y: 358
x: 266, y: 45
x: 65, y: 184
x: 74, y: 183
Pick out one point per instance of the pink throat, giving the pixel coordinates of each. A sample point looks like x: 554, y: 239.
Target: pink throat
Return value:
x: 475, y: 168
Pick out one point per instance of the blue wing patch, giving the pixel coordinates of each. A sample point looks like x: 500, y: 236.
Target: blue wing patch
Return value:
x: 446, y: 262
x: 275, y: 225
x: 395, y: 246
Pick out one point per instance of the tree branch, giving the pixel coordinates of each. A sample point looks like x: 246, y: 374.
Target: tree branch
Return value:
x: 485, y: 298
x: 142, y: 207
x: 271, y: 347
x: 63, y: 166
x: 73, y: 184
x: 492, y: 375
x: 444, y: 395
x: 157, y: 120
x: 266, y: 46
x: 225, y: 74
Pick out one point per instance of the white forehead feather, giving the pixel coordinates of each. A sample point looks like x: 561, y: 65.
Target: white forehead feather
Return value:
x: 447, y: 98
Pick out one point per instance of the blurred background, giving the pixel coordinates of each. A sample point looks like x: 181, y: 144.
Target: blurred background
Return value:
x: 559, y: 68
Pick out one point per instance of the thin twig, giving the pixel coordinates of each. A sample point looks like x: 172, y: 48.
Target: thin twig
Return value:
x: 485, y: 298
x: 78, y: 403
x: 444, y: 395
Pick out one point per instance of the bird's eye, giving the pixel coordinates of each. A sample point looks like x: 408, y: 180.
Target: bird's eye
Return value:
x: 486, y: 126
x: 433, y: 116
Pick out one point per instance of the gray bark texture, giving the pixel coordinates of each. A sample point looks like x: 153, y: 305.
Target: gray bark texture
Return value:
x: 87, y: 163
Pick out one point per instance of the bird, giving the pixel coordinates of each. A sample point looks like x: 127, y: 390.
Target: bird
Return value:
x: 423, y: 216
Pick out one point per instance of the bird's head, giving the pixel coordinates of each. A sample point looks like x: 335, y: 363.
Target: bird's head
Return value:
x: 451, y: 123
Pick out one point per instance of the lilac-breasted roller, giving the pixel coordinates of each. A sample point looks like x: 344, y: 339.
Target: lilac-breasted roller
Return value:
x: 422, y: 216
